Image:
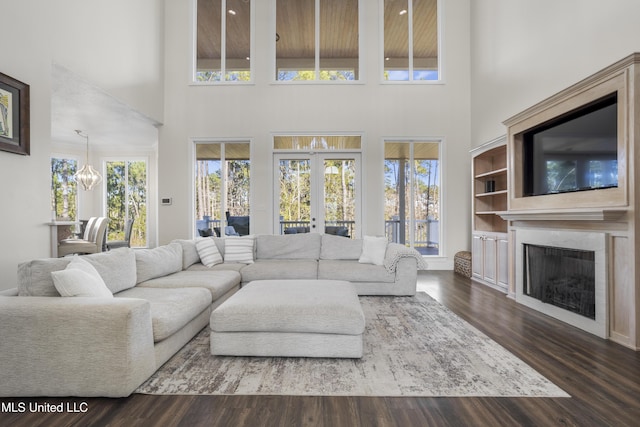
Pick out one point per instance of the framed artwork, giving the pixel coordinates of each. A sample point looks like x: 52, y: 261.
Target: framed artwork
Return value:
x: 14, y: 115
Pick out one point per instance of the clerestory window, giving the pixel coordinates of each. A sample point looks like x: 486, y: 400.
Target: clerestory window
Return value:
x: 411, y: 45
x: 223, y: 45
x: 317, y: 40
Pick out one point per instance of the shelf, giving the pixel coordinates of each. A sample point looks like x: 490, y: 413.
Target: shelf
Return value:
x: 492, y: 173
x: 499, y: 213
x: 493, y: 193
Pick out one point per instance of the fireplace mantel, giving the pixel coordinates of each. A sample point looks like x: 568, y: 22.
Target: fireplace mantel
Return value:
x: 565, y: 215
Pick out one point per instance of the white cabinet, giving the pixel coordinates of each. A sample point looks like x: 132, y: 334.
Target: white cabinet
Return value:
x: 489, y: 260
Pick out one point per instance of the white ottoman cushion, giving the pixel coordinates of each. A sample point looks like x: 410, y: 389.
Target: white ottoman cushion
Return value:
x: 307, y: 318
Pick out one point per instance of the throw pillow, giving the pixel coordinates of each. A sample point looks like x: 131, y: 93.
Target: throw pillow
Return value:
x: 208, y: 252
x: 239, y: 249
x: 80, y: 279
x: 373, y: 250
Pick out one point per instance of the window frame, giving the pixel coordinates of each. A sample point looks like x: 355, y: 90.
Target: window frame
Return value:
x: 223, y: 196
x: 317, y: 59
x: 194, y: 49
x: 441, y: 191
x: 79, y: 198
x: 103, y: 186
x: 411, y: 70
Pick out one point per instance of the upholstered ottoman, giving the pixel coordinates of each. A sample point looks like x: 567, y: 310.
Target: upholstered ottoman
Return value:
x: 293, y: 318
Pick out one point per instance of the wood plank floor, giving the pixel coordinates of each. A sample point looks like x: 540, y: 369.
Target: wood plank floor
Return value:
x: 603, y: 379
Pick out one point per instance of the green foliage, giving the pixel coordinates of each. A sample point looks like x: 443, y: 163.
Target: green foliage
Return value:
x: 127, y: 198
x: 64, y: 189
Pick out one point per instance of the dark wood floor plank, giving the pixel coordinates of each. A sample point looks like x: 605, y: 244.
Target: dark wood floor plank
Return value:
x: 603, y: 379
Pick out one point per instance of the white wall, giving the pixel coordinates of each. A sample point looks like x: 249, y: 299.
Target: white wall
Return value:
x: 258, y: 110
x: 115, y: 44
x: 526, y: 51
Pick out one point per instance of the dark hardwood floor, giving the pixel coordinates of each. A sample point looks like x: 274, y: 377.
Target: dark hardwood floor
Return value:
x: 602, y: 378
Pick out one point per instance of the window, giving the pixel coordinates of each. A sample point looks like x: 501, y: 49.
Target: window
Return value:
x: 223, y: 41
x: 126, y: 197
x: 64, y: 189
x: 411, y: 40
x: 317, y: 40
x: 222, y: 184
x: 412, y: 194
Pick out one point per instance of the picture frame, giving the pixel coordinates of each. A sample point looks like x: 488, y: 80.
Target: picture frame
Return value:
x: 14, y: 116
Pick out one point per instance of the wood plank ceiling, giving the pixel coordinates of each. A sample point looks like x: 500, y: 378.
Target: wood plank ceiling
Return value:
x: 295, y: 29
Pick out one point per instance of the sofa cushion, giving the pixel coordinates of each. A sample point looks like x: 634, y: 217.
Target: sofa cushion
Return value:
x: 117, y: 268
x: 208, y: 252
x: 353, y: 271
x: 239, y: 249
x: 190, y: 252
x: 171, y: 309
x: 158, y: 262
x: 217, y: 282
x: 225, y: 266
x: 373, y: 250
x: 337, y: 247
x: 267, y: 269
x: 290, y: 246
x: 80, y: 279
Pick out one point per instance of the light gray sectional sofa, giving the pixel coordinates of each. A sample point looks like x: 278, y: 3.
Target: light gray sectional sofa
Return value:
x: 320, y: 256
x: 83, y: 346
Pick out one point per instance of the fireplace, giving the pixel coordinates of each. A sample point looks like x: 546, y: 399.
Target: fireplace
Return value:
x: 564, y: 275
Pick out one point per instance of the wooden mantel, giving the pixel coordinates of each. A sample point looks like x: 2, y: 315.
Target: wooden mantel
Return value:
x: 610, y: 211
x: 566, y: 215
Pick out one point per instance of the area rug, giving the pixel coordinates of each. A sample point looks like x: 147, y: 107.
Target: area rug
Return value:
x: 413, y: 346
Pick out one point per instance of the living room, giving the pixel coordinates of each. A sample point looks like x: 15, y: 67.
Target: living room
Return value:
x: 497, y: 58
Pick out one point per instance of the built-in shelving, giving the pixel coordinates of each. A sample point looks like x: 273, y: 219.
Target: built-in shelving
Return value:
x: 490, y: 240
x: 490, y: 188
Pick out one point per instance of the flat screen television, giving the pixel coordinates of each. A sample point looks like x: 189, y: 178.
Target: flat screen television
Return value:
x: 575, y: 152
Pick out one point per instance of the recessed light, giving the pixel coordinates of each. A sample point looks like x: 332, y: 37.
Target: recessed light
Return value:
x: 403, y: 12
x: 232, y: 12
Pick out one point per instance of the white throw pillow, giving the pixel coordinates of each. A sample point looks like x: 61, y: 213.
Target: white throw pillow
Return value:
x: 373, y: 250
x: 239, y: 249
x: 208, y: 252
x: 80, y: 279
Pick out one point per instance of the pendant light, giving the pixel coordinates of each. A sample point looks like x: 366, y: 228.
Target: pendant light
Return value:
x: 87, y: 176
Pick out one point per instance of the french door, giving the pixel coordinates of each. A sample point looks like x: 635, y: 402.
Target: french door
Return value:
x: 317, y: 193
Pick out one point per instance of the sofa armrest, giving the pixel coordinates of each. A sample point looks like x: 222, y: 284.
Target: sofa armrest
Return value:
x: 396, y: 252
x: 54, y: 346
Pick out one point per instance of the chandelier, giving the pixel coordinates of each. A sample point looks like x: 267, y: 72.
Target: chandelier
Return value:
x: 87, y: 176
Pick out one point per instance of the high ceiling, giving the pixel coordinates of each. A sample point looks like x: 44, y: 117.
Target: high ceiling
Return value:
x: 109, y: 123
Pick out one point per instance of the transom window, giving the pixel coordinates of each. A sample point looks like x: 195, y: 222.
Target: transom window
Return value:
x: 317, y: 40
x: 411, y: 40
x: 223, y: 41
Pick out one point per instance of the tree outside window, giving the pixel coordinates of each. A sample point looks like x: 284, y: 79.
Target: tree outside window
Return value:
x: 64, y: 189
x: 222, y: 183
x: 412, y: 194
x: 126, y: 197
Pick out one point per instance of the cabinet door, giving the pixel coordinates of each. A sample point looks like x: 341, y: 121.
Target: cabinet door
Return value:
x: 477, y: 256
x: 490, y: 262
x: 503, y: 263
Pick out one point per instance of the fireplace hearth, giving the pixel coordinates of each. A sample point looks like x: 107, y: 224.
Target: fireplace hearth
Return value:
x: 562, y: 277
x: 564, y: 274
